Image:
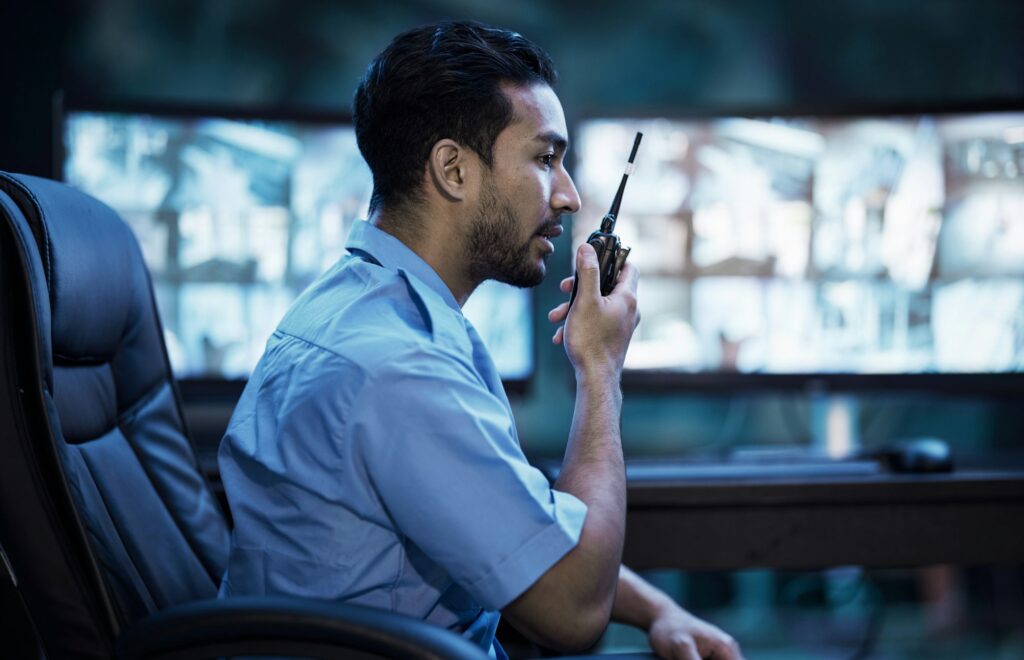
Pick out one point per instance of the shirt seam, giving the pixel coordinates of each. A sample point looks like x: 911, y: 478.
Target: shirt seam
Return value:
x: 437, y: 350
x: 313, y: 344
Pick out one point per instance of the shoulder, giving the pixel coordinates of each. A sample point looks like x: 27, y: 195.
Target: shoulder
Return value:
x: 377, y: 318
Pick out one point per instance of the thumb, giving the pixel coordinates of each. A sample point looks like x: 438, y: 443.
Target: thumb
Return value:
x: 587, y: 271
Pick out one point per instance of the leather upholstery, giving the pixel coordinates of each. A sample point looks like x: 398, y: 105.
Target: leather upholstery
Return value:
x: 156, y: 530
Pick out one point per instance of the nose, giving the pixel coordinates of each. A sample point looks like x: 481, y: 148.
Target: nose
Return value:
x: 564, y: 198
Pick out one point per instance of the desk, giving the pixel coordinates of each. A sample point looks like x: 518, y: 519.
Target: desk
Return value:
x: 881, y: 520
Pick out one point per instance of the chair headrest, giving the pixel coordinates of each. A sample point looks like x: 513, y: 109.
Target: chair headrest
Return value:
x: 89, y: 315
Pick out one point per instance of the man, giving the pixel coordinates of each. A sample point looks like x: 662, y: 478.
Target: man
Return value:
x: 373, y: 456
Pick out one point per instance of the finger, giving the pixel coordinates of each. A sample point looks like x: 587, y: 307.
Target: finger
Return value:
x: 558, y: 314
x: 587, y: 272
x: 679, y: 646
x: 566, y: 284
x: 727, y: 648
x: 721, y: 646
x: 629, y: 277
x: 687, y: 650
x: 557, y: 339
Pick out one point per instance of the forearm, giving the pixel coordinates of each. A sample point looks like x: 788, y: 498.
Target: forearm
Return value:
x: 592, y: 468
x: 672, y: 631
x: 593, y: 471
x: 637, y: 602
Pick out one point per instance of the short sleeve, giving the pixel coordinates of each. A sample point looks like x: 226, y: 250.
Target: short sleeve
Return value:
x: 441, y: 453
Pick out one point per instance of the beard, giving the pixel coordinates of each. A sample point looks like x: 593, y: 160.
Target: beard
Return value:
x: 494, y: 251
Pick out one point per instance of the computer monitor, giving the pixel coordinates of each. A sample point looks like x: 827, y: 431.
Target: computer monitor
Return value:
x: 238, y: 212
x: 869, y: 249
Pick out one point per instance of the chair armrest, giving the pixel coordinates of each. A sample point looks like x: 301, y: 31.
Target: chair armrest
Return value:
x: 284, y: 626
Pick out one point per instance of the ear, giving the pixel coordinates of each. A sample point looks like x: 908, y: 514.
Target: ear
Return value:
x: 449, y: 167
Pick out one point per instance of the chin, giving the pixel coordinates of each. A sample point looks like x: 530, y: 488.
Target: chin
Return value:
x: 526, y: 278
x: 539, y: 271
x: 525, y: 272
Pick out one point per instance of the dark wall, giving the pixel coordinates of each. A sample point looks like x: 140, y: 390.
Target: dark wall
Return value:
x: 615, y: 55
x: 640, y: 56
x: 33, y: 43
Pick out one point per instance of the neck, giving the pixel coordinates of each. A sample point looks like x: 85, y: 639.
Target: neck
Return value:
x: 436, y: 241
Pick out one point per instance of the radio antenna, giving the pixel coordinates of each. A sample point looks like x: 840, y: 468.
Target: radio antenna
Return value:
x: 608, y: 222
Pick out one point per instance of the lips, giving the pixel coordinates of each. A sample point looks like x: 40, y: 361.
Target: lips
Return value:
x: 551, y: 231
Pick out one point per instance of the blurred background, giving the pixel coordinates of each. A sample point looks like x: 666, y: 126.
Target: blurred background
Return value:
x: 643, y: 59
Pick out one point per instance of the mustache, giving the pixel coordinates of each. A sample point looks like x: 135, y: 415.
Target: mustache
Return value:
x: 550, y: 224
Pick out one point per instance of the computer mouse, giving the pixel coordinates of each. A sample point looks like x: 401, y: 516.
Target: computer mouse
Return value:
x: 919, y: 455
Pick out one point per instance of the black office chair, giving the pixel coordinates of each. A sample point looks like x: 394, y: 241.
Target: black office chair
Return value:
x: 109, y: 529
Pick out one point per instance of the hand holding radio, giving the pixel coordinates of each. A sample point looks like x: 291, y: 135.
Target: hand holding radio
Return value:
x: 611, y: 255
x: 598, y: 332
x: 609, y: 313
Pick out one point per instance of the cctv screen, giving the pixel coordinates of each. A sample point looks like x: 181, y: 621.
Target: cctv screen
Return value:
x: 799, y: 245
x: 236, y: 217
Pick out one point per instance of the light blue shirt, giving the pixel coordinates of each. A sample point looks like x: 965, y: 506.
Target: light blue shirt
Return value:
x: 373, y: 457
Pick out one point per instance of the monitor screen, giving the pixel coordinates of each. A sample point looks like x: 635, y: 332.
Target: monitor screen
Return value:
x: 236, y: 216
x: 858, y: 245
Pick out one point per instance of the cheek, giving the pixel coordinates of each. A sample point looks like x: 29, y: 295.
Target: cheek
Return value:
x: 536, y: 191
x: 530, y: 195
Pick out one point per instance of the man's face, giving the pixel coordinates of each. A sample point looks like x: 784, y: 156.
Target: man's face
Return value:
x: 524, y: 192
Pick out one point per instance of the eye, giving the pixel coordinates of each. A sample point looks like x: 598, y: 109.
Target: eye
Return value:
x: 547, y: 159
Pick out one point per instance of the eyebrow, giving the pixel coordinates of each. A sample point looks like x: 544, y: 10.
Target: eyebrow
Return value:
x: 553, y: 137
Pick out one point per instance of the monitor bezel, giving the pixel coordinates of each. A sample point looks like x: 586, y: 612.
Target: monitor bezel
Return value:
x: 1006, y: 384
x: 216, y: 389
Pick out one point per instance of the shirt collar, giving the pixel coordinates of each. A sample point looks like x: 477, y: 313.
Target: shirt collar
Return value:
x: 394, y: 254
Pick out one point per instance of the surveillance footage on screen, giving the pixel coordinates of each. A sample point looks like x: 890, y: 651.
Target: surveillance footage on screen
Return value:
x: 236, y: 217
x: 860, y: 245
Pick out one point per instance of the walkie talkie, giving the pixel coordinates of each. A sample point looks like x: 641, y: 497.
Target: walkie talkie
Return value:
x: 611, y: 255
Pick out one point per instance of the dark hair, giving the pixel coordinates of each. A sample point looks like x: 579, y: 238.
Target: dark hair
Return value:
x: 434, y: 82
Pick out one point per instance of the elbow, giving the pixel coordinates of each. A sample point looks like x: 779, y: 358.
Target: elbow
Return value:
x: 578, y: 630
x: 569, y: 607
x: 583, y: 635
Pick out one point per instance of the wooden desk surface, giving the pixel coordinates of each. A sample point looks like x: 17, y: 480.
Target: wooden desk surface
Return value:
x: 882, y: 520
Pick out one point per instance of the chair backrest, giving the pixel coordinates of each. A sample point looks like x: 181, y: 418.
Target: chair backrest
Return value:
x: 104, y: 514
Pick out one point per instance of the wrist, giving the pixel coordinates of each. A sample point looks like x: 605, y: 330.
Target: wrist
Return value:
x: 597, y: 372
x: 600, y: 383
x: 658, y: 606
